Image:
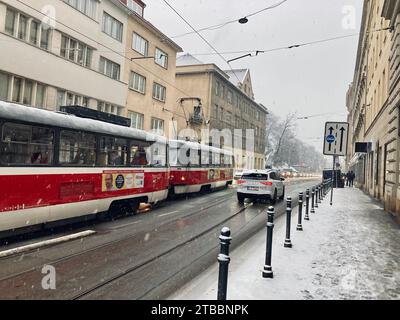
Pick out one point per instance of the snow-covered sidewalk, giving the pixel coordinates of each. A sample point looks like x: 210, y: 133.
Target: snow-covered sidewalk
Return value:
x: 348, y: 251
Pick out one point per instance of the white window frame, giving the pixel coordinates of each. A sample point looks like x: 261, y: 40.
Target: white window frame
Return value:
x: 136, y: 118
x: 137, y: 82
x: 140, y: 44
x: 87, y: 51
x: 159, y: 92
x: 27, y: 38
x: 112, y: 27
x: 135, y: 7
x: 157, y: 125
x: 161, y: 58
x: 87, y: 7
x: 109, y: 64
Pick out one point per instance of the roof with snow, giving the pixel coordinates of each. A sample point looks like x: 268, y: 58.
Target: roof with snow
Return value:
x: 187, y: 60
x: 240, y: 74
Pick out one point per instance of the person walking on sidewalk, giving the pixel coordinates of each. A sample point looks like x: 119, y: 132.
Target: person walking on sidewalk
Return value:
x: 351, y: 178
x: 348, y: 177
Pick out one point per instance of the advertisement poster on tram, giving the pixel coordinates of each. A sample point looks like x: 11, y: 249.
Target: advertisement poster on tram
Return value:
x: 122, y: 180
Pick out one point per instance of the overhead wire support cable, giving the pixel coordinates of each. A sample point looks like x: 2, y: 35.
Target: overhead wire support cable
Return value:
x: 204, y: 39
x: 221, y: 25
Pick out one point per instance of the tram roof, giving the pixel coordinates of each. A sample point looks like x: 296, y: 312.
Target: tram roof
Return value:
x: 13, y: 111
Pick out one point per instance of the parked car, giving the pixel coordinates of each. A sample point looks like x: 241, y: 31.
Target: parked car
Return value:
x: 261, y: 184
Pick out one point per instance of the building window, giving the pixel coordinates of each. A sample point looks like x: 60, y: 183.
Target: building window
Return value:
x: 27, y: 29
x: 137, y: 120
x: 134, y: 6
x: 4, y: 86
x: 159, y: 92
x: 76, y: 51
x: 40, y: 95
x: 112, y: 27
x: 161, y: 58
x: 140, y: 44
x: 11, y: 18
x: 65, y: 98
x: 217, y: 88
x: 109, y: 68
x: 34, y: 32
x: 22, y: 27
x: 22, y: 90
x: 17, y: 90
x: 230, y: 97
x: 109, y: 108
x: 87, y: 7
x: 137, y: 82
x: 28, y: 87
x: 157, y: 125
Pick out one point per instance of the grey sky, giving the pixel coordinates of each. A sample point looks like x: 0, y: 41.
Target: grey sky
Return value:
x: 310, y: 80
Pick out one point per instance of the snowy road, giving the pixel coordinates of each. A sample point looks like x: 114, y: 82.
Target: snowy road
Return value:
x: 145, y: 256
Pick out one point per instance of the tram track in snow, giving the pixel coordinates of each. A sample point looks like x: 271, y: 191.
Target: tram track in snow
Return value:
x: 127, y: 271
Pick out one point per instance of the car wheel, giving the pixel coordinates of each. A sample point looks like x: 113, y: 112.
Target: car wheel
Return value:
x: 274, y: 199
x: 240, y: 198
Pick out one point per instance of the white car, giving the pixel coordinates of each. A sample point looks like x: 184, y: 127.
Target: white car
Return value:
x: 261, y: 184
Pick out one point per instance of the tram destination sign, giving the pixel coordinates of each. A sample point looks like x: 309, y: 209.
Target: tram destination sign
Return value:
x: 336, y: 138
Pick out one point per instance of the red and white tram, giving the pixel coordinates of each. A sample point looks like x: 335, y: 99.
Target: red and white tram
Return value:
x: 56, y: 166
x: 195, y: 167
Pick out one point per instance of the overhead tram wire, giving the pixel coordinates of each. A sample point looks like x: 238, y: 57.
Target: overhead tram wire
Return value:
x: 257, y: 52
x: 204, y: 39
x: 221, y: 25
x: 104, y: 46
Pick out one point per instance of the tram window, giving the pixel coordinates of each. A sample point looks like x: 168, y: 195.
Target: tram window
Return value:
x: 227, y: 160
x: 113, y: 151
x: 77, y: 148
x: 138, y: 154
x: 194, y: 158
x: 24, y: 144
x: 157, y: 154
x: 205, y: 158
x: 216, y: 159
x: 173, y: 157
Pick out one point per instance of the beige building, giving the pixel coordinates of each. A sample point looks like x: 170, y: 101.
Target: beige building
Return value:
x: 373, y: 104
x: 64, y: 52
x: 217, y: 99
x: 150, y: 74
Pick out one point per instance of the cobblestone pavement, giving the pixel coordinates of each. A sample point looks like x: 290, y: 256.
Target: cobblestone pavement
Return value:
x: 348, y: 251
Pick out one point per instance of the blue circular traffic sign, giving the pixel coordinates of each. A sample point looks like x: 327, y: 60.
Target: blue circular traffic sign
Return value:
x: 330, y: 138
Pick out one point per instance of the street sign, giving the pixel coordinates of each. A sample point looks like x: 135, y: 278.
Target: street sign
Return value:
x: 335, y: 139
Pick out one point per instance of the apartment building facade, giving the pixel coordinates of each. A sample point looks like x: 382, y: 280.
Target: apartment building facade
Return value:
x: 64, y: 52
x: 217, y: 99
x: 373, y: 104
x: 150, y: 74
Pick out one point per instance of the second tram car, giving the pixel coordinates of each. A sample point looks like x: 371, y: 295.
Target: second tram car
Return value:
x: 195, y: 167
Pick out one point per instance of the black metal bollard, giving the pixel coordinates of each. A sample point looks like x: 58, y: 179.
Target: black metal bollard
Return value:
x: 320, y: 194
x: 267, y: 273
x: 299, y: 223
x: 312, y: 200
x: 316, y: 196
x: 288, y: 242
x: 224, y: 259
x: 306, y: 216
